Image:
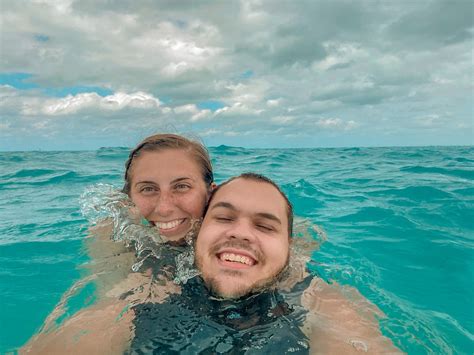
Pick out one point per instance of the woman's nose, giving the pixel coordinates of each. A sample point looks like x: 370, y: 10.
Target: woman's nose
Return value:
x: 164, y: 204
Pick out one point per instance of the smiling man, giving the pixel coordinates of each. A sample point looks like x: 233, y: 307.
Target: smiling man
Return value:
x: 243, y: 244
x: 241, y: 251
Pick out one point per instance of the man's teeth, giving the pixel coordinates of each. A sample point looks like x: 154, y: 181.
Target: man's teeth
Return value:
x: 236, y: 258
x: 168, y: 225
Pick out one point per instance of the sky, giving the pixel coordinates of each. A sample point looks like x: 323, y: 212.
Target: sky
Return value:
x: 79, y: 75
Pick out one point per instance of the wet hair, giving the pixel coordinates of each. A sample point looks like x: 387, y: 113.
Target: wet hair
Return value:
x: 262, y: 179
x: 159, y: 142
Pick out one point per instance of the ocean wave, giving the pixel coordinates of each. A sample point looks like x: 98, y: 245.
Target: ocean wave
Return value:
x: 229, y: 151
x: 305, y: 196
x: 462, y: 173
x: 51, y: 177
x: 113, y: 154
x: 415, y: 193
x: 368, y: 214
x: 28, y: 173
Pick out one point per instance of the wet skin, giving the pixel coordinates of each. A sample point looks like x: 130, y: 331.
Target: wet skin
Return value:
x: 243, y: 242
x: 168, y: 188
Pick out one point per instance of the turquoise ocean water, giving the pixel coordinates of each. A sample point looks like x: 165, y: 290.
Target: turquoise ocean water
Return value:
x: 399, y: 221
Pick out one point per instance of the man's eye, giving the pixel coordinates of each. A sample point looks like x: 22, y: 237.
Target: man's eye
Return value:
x: 265, y: 227
x: 223, y: 219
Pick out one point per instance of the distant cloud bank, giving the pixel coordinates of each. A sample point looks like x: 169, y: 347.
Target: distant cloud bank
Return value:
x: 85, y: 74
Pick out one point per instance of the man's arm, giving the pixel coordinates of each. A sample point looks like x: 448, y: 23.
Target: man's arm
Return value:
x: 337, y: 324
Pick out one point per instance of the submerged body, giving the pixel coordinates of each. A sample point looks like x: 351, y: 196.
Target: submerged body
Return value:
x: 193, y: 322
x: 313, y: 317
x: 249, y: 243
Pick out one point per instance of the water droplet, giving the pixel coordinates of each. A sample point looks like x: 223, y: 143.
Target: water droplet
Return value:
x: 359, y: 345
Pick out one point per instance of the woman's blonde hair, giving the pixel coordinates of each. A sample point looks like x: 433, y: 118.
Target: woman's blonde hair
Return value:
x: 162, y: 141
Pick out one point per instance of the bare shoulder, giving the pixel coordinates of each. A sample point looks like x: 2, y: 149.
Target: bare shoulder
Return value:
x: 144, y: 287
x: 101, y: 329
x: 105, y: 328
x: 341, y: 320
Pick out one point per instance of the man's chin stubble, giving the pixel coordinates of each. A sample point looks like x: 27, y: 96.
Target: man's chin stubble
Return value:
x: 220, y: 288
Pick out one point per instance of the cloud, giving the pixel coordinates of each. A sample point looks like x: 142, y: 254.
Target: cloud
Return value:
x: 76, y: 103
x: 295, y: 70
x: 336, y: 124
x: 434, y: 23
x: 273, y: 102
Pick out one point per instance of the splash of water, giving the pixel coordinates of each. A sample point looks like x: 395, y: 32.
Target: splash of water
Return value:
x: 185, y: 268
x: 103, y: 203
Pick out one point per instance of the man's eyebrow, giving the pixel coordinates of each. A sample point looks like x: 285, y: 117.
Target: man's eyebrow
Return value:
x: 264, y: 215
x: 269, y: 216
x: 224, y: 205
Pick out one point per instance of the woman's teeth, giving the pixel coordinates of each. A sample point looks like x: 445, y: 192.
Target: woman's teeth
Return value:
x: 169, y: 225
x: 236, y: 258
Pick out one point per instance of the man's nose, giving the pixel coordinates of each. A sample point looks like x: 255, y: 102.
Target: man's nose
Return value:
x: 164, y: 204
x: 242, y: 229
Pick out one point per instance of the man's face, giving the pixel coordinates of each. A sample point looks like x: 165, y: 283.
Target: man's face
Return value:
x: 243, y: 243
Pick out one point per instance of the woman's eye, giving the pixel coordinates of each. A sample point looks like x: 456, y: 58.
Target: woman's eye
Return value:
x: 147, y: 189
x: 182, y: 187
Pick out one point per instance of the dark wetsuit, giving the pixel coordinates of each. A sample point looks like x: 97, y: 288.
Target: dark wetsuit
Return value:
x: 193, y: 323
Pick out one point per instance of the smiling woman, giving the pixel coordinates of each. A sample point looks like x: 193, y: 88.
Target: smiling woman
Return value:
x: 169, y: 198
x: 169, y: 179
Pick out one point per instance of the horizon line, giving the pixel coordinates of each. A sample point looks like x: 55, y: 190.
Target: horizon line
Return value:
x: 250, y: 148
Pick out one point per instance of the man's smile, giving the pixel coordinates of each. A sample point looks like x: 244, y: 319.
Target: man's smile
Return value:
x: 235, y: 258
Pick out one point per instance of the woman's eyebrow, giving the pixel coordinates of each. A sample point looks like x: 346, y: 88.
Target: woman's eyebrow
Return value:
x: 145, y: 182
x: 181, y: 179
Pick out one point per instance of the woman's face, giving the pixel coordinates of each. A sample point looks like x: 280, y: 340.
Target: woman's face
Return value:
x: 168, y: 189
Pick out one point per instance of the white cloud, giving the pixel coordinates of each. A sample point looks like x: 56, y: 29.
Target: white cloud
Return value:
x: 237, y: 109
x: 64, y: 106
x: 274, y: 102
x: 336, y: 124
x: 340, y: 54
x: 201, y: 115
x: 209, y: 132
x: 283, y: 119
x: 191, y: 108
x: 277, y: 69
x: 75, y: 103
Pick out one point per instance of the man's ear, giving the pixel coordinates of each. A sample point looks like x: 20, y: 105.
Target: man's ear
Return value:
x: 212, y: 187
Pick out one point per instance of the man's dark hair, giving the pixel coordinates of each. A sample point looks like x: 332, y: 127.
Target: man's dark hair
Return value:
x: 263, y: 179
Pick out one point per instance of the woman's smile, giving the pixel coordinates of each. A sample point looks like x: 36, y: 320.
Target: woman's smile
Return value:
x: 173, y: 227
x: 168, y: 189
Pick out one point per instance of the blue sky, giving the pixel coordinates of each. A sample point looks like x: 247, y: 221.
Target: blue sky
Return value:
x: 87, y: 74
